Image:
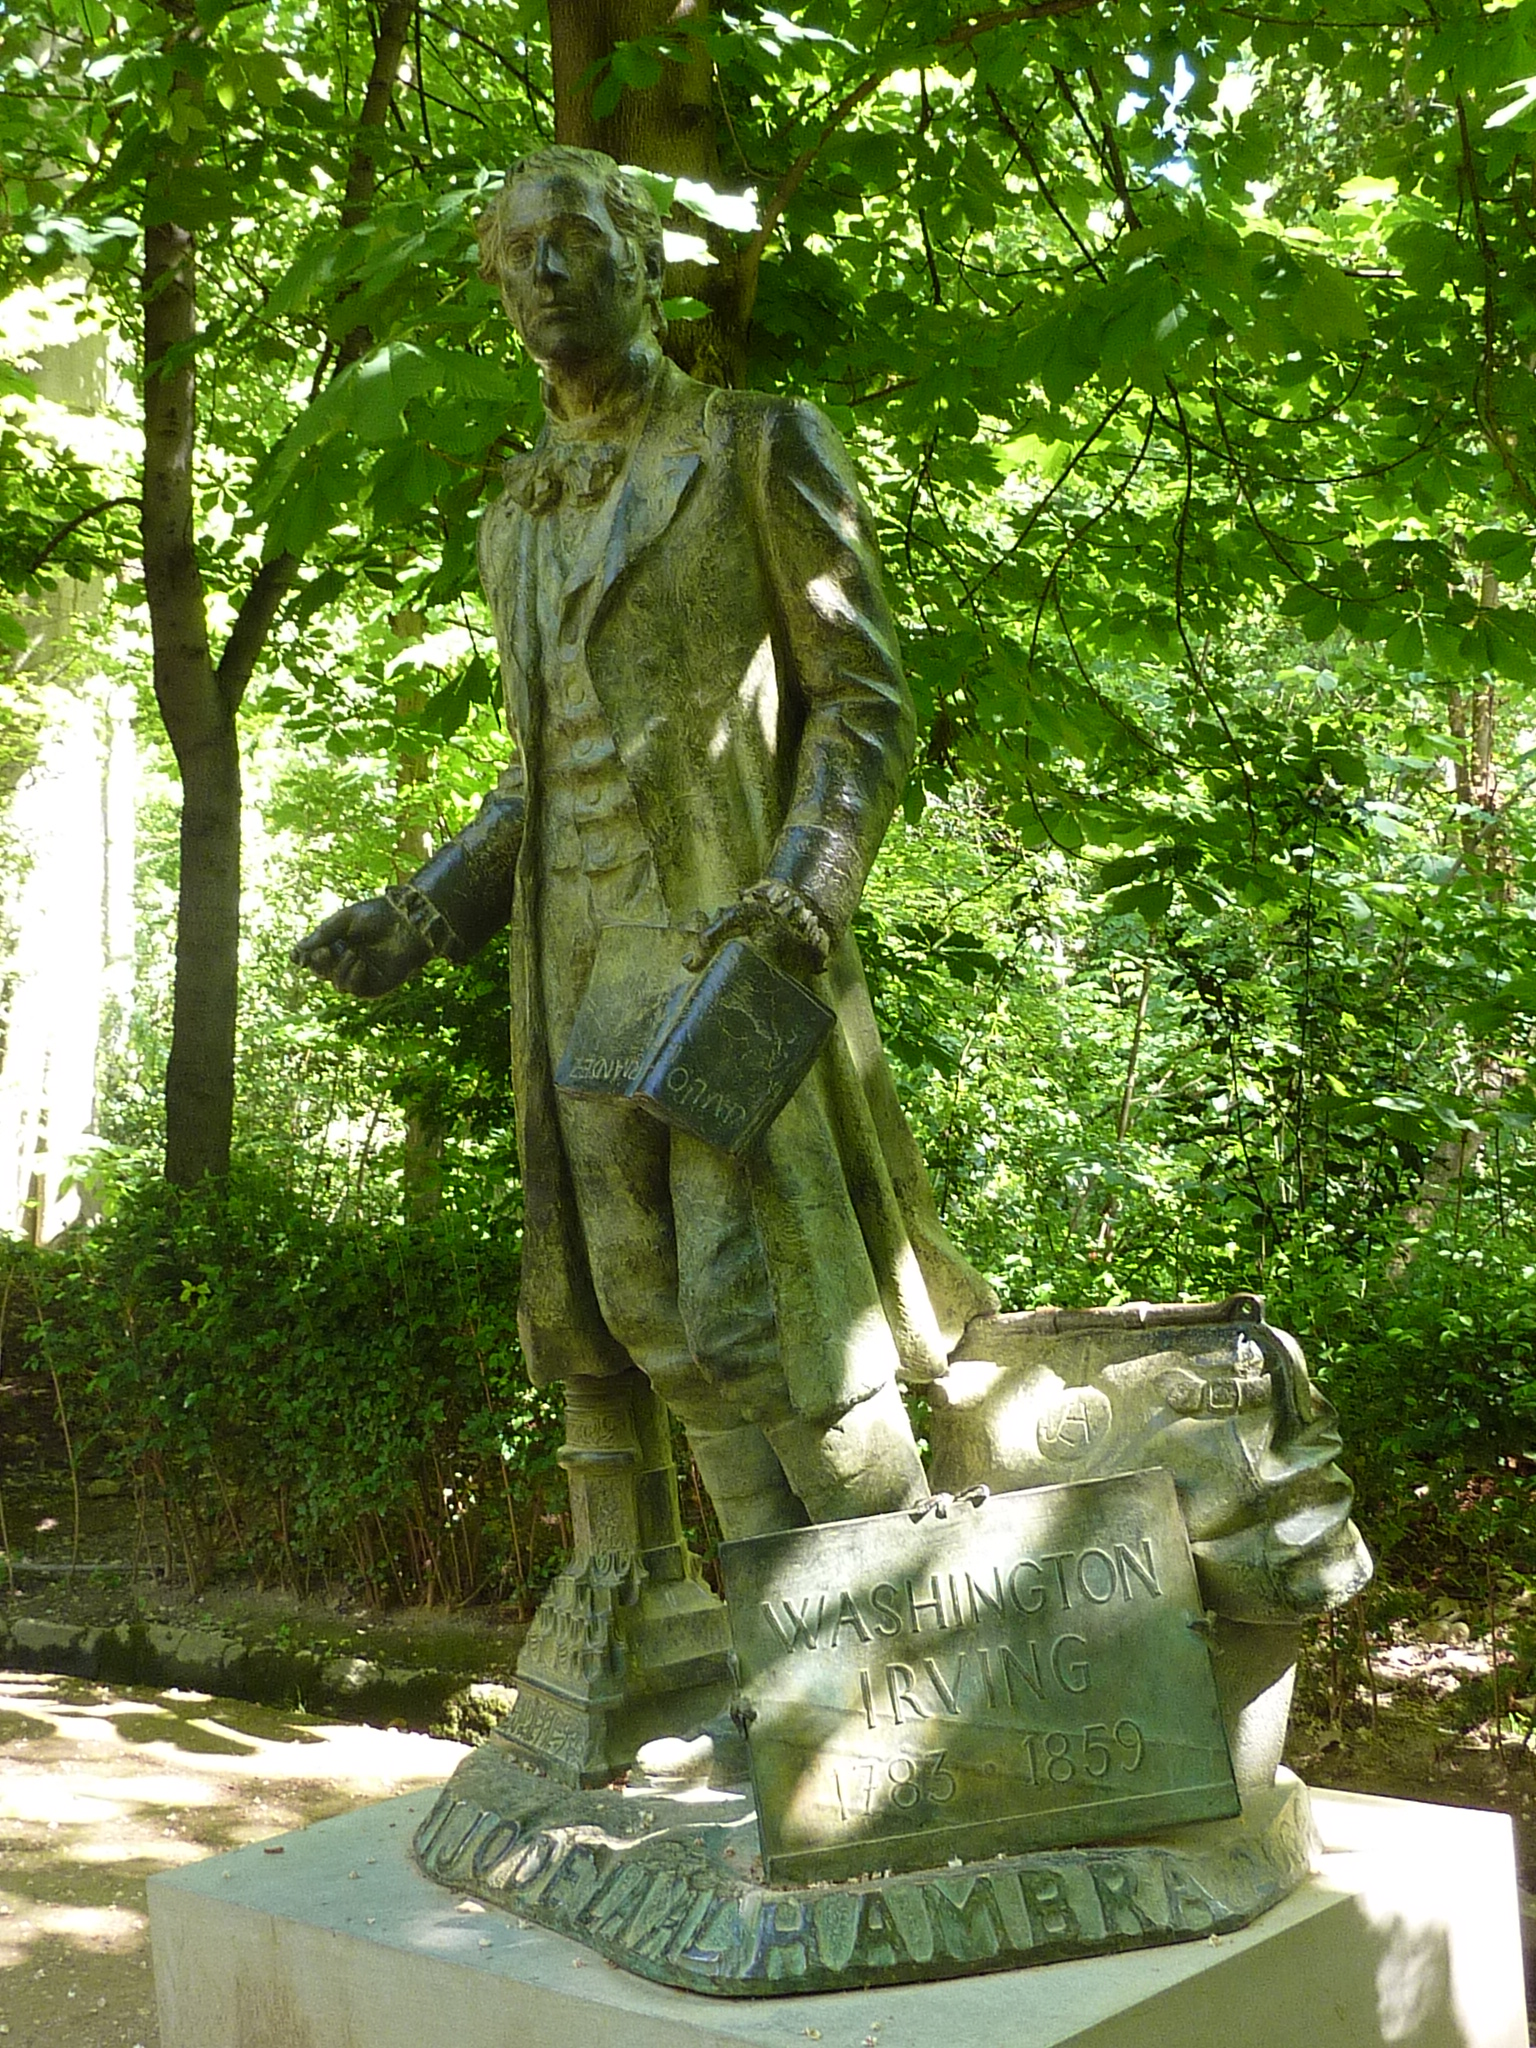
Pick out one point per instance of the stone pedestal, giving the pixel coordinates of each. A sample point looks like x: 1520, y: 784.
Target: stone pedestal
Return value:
x: 1409, y: 1933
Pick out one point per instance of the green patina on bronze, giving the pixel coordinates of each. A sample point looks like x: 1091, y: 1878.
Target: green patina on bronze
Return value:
x: 710, y: 730
x: 1025, y: 1670
x: 672, y: 1887
x: 716, y: 1053
x: 709, y: 734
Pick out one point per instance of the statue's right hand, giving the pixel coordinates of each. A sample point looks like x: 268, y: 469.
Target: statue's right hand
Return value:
x: 365, y: 950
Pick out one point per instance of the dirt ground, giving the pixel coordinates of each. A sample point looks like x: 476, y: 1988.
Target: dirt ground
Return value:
x: 1416, y: 1725
x: 100, y: 1788
x: 1411, y: 1729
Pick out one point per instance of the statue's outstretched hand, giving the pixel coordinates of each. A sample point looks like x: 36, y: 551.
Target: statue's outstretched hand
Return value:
x: 365, y: 950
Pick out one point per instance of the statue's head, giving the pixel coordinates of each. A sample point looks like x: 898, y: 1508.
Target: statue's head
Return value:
x: 575, y: 246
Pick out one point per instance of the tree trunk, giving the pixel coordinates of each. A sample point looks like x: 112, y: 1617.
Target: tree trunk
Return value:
x: 421, y: 1162
x: 199, y: 1079
x: 668, y: 128
x: 390, y: 34
x: 200, y: 1074
x: 199, y: 701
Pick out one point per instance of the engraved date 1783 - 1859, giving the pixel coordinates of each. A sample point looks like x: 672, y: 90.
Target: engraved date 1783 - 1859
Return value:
x: 910, y: 1781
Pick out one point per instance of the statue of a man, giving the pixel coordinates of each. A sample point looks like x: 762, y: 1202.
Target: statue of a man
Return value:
x: 711, y: 731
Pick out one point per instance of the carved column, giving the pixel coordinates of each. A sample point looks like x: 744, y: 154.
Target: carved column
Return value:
x: 629, y: 1642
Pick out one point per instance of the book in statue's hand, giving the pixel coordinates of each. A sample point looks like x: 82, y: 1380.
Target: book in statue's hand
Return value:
x: 718, y: 1053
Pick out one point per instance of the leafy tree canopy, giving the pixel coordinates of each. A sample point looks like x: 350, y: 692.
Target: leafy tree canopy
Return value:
x: 1152, y: 325
x: 1185, y: 349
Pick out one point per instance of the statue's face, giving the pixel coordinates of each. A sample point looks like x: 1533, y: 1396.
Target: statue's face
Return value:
x: 570, y: 283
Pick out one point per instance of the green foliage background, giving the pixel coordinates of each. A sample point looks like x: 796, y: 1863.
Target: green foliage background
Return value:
x: 315, y: 1403
x: 1185, y: 350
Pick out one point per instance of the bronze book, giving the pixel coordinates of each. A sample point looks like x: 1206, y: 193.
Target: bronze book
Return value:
x: 717, y: 1054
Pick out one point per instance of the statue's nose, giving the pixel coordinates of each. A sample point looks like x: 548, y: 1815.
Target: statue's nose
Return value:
x: 549, y: 260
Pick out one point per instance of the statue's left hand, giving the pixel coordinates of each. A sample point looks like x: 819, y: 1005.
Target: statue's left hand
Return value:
x: 736, y: 921
x: 770, y: 912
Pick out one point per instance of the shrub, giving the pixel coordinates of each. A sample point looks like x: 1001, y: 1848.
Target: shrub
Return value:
x: 323, y: 1404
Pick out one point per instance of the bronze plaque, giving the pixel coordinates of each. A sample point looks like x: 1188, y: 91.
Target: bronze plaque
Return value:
x: 1023, y: 1674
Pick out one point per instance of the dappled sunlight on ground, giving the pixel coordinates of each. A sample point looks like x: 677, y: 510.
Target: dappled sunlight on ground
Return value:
x: 102, y: 1927
x: 100, y: 1787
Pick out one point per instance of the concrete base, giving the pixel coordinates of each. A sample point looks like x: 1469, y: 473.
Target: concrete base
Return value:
x: 1408, y: 1935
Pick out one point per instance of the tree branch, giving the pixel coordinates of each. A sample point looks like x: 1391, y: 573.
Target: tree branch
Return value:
x: 1016, y: 136
x: 962, y: 32
x: 253, y: 622
x: 1196, y: 671
x: 1114, y: 162
x: 1103, y: 512
x: 1033, y: 517
x: 388, y: 50
x: 274, y: 579
x: 886, y: 390
x: 932, y: 260
x: 362, y: 168
x: 537, y: 101
x: 62, y: 533
x: 970, y: 26
x: 790, y: 183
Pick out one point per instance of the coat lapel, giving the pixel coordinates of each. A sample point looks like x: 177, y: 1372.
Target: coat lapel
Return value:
x: 522, y: 639
x: 665, y: 460
x: 506, y: 575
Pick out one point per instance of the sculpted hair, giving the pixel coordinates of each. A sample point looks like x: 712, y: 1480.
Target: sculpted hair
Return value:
x: 630, y: 207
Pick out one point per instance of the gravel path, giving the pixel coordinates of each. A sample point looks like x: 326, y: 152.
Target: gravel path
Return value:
x: 101, y: 1786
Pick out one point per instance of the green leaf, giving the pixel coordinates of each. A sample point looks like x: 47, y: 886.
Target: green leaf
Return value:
x: 1508, y: 552
x: 315, y: 593
x: 1150, y: 901
x: 1328, y: 307
x: 449, y: 709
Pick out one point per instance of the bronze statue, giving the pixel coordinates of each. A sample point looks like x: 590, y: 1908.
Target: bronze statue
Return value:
x: 711, y: 732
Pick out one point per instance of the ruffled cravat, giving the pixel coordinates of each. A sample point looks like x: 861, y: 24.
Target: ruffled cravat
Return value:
x: 565, y: 471
x: 567, y: 466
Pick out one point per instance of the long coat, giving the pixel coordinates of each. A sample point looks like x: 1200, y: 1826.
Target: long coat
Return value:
x: 726, y: 602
